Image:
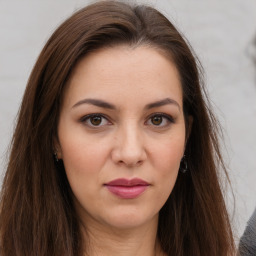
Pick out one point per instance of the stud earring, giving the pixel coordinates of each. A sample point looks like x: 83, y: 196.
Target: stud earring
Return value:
x: 56, y: 156
x: 183, y: 165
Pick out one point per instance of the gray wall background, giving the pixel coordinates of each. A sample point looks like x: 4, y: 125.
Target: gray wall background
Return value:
x: 221, y: 33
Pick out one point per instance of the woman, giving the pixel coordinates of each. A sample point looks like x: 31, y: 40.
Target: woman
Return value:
x: 115, y: 150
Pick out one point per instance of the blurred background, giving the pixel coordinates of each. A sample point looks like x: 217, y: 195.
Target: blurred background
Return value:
x: 223, y: 35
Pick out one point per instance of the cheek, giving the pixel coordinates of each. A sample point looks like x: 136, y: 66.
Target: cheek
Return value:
x: 83, y: 163
x: 169, y: 154
x: 82, y: 155
x: 167, y: 162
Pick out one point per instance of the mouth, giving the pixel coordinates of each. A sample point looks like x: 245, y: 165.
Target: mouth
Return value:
x: 127, y: 189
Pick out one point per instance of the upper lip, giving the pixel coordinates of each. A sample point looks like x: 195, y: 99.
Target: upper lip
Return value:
x: 127, y: 182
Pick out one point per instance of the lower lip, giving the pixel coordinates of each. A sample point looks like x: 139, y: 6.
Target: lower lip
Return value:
x: 127, y: 192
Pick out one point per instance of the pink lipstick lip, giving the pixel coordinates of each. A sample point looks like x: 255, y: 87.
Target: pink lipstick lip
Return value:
x: 127, y: 189
x: 127, y: 182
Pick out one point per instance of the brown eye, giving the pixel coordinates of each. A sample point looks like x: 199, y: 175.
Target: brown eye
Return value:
x: 95, y: 120
x: 156, y: 120
x: 160, y: 120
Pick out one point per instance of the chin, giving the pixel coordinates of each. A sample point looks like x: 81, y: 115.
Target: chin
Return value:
x: 130, y: 219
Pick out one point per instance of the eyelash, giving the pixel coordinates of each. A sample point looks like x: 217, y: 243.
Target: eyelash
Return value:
x: 86, y: 119
x: 169, y: 119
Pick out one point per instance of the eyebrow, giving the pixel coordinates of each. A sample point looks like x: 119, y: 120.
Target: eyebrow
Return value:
x: 163, y: 102
x: 104, y: 104
x: 95, y: 102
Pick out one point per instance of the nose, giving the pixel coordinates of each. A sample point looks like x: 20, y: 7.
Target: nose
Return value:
x: 129, y: 148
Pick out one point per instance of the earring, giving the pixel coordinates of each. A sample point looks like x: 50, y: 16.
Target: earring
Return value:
x: 183, y: 165
x: 56, y: 156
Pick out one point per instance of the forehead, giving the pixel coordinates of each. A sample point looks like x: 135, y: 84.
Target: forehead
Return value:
x: 124, y: 72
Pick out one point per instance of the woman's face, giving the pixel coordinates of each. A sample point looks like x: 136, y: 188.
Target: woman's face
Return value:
x: 121, y: 135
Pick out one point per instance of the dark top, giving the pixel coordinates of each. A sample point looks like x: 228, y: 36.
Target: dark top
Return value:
x: 247, y: 245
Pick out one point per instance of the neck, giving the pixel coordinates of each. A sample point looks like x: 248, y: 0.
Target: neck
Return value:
x: 139, y: 241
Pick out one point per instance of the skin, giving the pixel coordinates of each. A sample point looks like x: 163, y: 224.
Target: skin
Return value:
x: 135, y: 138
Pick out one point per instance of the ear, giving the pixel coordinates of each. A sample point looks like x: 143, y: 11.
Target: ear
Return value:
x: 188, y: 128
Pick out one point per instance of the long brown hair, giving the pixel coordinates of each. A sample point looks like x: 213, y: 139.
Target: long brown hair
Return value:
x: 37, y: 215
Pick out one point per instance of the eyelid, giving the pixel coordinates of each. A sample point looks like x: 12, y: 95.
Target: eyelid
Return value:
x: 169, y: 118
x: 83, y: 119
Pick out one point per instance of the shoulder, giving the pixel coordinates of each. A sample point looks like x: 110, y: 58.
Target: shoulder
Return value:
x: 247, y: 246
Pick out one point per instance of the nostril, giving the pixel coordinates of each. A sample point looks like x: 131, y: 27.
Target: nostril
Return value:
x: 130, y: 164
x: 140, y: 162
